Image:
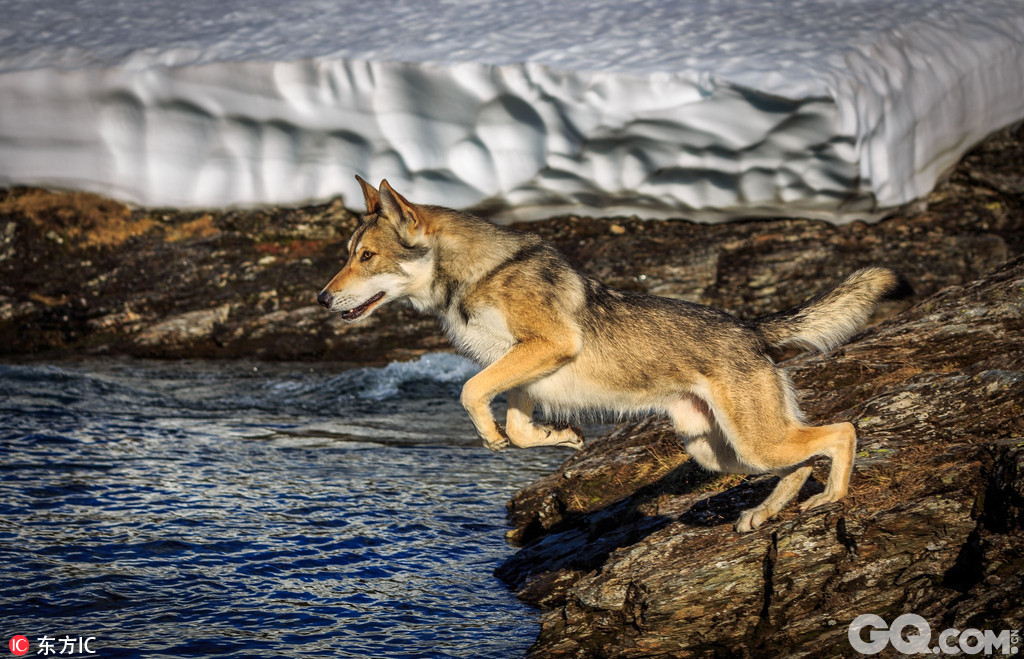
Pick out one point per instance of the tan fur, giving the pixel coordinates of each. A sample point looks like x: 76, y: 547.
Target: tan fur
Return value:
x: 552, y: 337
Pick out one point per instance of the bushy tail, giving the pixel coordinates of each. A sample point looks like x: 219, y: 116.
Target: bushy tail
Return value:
x: 830, y: 318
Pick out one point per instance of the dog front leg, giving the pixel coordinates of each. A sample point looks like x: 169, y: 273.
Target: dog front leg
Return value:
x: 524, y: 433
x: 524, y: 363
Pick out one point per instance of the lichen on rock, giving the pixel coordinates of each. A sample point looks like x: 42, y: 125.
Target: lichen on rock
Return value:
x: 933, y: 523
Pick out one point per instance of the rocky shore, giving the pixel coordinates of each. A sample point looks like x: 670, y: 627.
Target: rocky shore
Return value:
x: 629, y: 547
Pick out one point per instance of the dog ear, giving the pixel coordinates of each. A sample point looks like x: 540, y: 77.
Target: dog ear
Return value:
x: 401, y: 211
x: 370, y: 195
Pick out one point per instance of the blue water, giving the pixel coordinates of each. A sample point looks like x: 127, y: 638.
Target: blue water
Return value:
x: 193, y: 509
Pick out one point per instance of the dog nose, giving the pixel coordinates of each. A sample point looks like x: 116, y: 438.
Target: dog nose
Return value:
x: 324, y: 298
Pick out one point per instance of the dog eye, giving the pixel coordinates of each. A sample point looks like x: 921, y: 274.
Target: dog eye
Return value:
x: 366, y: 255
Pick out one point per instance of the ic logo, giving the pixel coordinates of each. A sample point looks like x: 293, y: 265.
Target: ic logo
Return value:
x: 18, y: 645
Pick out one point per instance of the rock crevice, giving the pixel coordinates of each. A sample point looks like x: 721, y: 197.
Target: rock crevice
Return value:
x: 932, y: 525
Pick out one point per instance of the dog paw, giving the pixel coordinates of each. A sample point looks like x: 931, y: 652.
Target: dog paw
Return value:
x: 574, y: 439
x: 497, y: 440
x: 751, y: 519
x: 576, y: 443
x: 496, y: 446
x: 825, y: 497
x: 571, y: 437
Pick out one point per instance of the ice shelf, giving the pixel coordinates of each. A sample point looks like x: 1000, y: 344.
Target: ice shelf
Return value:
x: 706, y: 108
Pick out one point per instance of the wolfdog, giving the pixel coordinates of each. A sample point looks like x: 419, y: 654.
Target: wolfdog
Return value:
x: 550, y: 336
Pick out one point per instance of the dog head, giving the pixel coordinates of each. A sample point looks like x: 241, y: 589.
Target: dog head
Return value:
x: 389, y: 256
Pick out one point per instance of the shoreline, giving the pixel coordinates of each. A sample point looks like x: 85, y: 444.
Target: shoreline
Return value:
x: 84, y: 275
x: 627, y: 547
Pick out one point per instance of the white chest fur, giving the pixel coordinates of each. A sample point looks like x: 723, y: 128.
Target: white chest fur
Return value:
x: 485, y: 337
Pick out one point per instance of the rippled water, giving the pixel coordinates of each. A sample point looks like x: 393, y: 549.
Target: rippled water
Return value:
x: 189, y: 509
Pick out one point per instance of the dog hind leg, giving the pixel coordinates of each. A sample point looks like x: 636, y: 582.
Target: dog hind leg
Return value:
x: 839, y: 442
x: 704, y: 440
x: 755, y: 429
x: 790, y: 482
x: 709, y: 447
x: 802, y: 444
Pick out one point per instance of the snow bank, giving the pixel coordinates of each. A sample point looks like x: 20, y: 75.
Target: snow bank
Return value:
x: 731, y: 107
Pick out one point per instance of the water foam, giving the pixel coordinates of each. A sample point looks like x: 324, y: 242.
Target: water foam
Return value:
x: 386, y: 382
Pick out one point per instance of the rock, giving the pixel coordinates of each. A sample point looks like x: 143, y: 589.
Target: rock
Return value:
x: 933, y: 524
x: 84, y: 275
x: 185, y: 328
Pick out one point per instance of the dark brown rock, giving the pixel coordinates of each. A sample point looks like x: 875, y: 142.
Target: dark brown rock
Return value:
x: 934, y: 523
x: 84, y: 275
x: 630, y: 546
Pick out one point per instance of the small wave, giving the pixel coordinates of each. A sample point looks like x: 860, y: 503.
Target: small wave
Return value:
x: 387, y: 382
x: 146, y: 388
x: 432, y: 377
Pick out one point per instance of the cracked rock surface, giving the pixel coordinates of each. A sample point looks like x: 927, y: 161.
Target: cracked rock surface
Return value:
x: 631, y: 545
